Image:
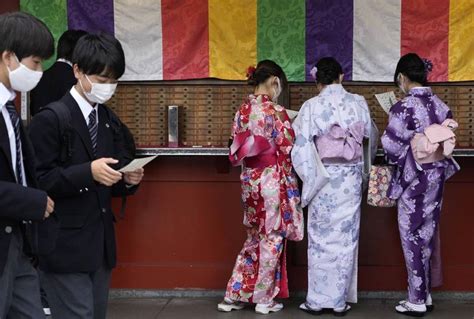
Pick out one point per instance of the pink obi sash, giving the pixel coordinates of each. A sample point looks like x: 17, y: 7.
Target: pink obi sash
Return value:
x: 426, y: 146
x: 253, y: 150
x: 341, y: 145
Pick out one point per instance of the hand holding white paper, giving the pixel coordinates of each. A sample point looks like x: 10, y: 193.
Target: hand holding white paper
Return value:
x: 137, y: 163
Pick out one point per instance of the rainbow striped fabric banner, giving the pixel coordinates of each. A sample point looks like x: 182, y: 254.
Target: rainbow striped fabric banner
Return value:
x: 190, y: 39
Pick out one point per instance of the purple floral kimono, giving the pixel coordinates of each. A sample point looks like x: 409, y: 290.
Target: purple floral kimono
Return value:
x: 417, y: 187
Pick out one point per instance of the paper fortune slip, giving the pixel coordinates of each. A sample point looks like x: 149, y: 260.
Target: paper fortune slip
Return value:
x: 137, y: 163
x: 386, y: 100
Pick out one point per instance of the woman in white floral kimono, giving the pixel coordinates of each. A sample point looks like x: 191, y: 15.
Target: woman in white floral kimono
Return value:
x: 328, y: 156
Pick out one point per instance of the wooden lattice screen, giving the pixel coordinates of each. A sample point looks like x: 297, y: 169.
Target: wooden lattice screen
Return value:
x: 206, y: 111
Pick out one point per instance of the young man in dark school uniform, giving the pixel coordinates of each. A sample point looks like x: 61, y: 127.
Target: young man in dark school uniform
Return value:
x: 24, y: 43
x: 55, y: 83
x: 77, y: 271
x: 59, y: 78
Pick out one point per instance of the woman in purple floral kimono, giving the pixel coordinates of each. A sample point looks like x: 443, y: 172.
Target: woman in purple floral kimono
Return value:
x: 419, y: 175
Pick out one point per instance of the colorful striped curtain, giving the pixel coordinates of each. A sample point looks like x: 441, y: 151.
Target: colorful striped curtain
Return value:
x: 190, y: 39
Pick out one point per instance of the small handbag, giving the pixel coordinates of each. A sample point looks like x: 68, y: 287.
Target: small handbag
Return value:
x: 379, y: 181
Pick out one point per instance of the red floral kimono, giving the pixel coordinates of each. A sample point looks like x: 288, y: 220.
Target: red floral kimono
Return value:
x: 262, y: 142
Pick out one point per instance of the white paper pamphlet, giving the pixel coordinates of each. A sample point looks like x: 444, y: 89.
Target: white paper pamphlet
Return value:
x: 386, y: 100
x: 137, y: 163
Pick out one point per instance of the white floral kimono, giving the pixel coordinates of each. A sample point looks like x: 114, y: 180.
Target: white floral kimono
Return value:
x: 333, y: 191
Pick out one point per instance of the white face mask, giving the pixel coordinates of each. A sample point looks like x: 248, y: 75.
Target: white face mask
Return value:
x: 399, y: 80
x: 100, y: 92
x: 277, y: 91
x: 23, y: 79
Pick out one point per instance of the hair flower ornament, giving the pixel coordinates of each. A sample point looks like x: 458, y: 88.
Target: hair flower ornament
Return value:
x: 428, y: 65
x: 313, y: 72
x: 250, y: 71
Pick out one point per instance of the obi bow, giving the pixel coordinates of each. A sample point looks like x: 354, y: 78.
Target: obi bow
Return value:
x: 426, y: 146
x: 339, y: 143
x: 246, y: 145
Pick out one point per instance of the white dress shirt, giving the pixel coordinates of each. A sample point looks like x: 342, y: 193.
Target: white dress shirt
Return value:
x: 85, y: 107
x: 64, y: 61
x: 5, y: 96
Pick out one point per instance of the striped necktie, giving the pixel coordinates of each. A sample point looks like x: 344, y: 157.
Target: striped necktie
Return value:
x: 93, y: 130
x: 16, y: 127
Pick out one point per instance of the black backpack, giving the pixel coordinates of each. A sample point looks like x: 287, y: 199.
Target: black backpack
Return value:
x: 124, y: 141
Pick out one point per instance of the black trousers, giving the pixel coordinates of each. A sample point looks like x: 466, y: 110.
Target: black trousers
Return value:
x: 19, y: 283
x: 78, y: 295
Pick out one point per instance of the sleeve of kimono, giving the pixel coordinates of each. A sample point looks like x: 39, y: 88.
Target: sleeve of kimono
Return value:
x: 305, y: 158
x: 397, y: 136
x: 285, y: 133
x: 371, y: 131
x: 396, y: 143
x: 370, y: 144
x: 237, y: 124
x: 237, y: 128
x: 453, y: 167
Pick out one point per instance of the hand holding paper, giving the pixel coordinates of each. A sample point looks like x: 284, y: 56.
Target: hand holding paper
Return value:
x: 135, y: 177
x: 103, y: 173
x: 137, y: 163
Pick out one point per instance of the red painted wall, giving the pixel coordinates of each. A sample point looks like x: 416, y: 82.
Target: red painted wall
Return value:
x: 184, y: 229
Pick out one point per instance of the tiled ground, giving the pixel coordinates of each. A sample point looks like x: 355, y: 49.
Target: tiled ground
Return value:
x: 205, y: 308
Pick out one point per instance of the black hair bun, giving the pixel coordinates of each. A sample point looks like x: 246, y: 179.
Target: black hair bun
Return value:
x: 413, y: 67
x: 328, y: 71
x: 264, y: 70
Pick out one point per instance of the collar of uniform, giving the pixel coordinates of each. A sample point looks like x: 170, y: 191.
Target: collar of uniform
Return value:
x: 85, y: 107
x: 6, y: 95
x: 64, y: 61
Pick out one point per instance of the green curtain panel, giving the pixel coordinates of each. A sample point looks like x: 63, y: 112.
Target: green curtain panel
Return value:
x: 51, y: 12
x: 281, y: 35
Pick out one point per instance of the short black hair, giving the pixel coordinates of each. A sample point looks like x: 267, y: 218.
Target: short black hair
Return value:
x: 67, y: 42
x: 264, y: 70
x: 328, y: 71
x: 413, y: 67
x: 100, y: 54
x: 25, y: 35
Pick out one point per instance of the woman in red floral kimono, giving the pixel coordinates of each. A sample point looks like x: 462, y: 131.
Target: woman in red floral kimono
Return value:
x: 262, y: 139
